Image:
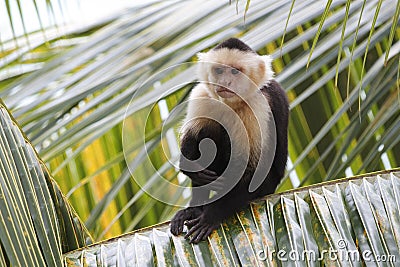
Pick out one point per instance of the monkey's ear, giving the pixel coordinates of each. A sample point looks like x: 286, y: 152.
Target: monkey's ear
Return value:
x: 201, y: 66
x: 269, y: 73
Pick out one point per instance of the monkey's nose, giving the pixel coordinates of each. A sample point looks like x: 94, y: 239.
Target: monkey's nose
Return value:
x: 227, y: 84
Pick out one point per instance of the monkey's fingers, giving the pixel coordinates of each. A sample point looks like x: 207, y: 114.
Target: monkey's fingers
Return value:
x: 209, y: 172
x: 190, y: 223
x: 199, y: 232
x: 176, y: 225
x: 202, y: 234
x: 203, y: 178
x: 196, y: 227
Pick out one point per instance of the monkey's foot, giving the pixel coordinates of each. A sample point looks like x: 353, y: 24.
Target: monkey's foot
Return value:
x: 200, y: 229
x: 181, y: 216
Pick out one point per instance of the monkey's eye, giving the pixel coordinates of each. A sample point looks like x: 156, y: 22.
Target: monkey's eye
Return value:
x: 234, y: 71
x: 218, y: 70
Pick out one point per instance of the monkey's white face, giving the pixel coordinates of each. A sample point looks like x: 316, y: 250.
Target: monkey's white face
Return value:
x: 233, y: 75
x: 229, y: 82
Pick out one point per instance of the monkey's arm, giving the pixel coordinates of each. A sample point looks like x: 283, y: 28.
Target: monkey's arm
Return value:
x: 200, y: 175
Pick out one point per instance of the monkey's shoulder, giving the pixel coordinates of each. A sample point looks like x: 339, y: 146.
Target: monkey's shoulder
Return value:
x: 275, y: 95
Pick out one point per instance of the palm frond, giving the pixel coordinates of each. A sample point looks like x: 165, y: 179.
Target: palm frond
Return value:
x: 353, y: 221
x: 35, y: 215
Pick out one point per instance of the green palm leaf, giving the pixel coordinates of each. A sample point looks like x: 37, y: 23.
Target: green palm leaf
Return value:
x: 35, y: 215
x: 349, y: 222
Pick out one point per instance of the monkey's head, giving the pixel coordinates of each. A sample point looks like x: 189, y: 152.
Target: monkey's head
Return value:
x: 232, y: 71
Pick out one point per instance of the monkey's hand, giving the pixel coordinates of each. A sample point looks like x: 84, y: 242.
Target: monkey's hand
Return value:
x: 207, y: 178
x: 200, y: 228
x: 183, y: 215
x: 201, y: 176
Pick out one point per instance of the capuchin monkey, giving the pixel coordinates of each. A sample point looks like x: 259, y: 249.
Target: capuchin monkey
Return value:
x: 234, y: 137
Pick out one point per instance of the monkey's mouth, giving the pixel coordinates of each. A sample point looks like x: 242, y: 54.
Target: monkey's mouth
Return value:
x: 224, y: 92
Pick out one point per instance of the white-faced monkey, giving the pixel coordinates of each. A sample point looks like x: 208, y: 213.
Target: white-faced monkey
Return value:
x: 234, y: 138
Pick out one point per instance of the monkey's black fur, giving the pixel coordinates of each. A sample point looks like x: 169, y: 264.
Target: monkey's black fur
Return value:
x: 203, y: 219
x: 233, y: 43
